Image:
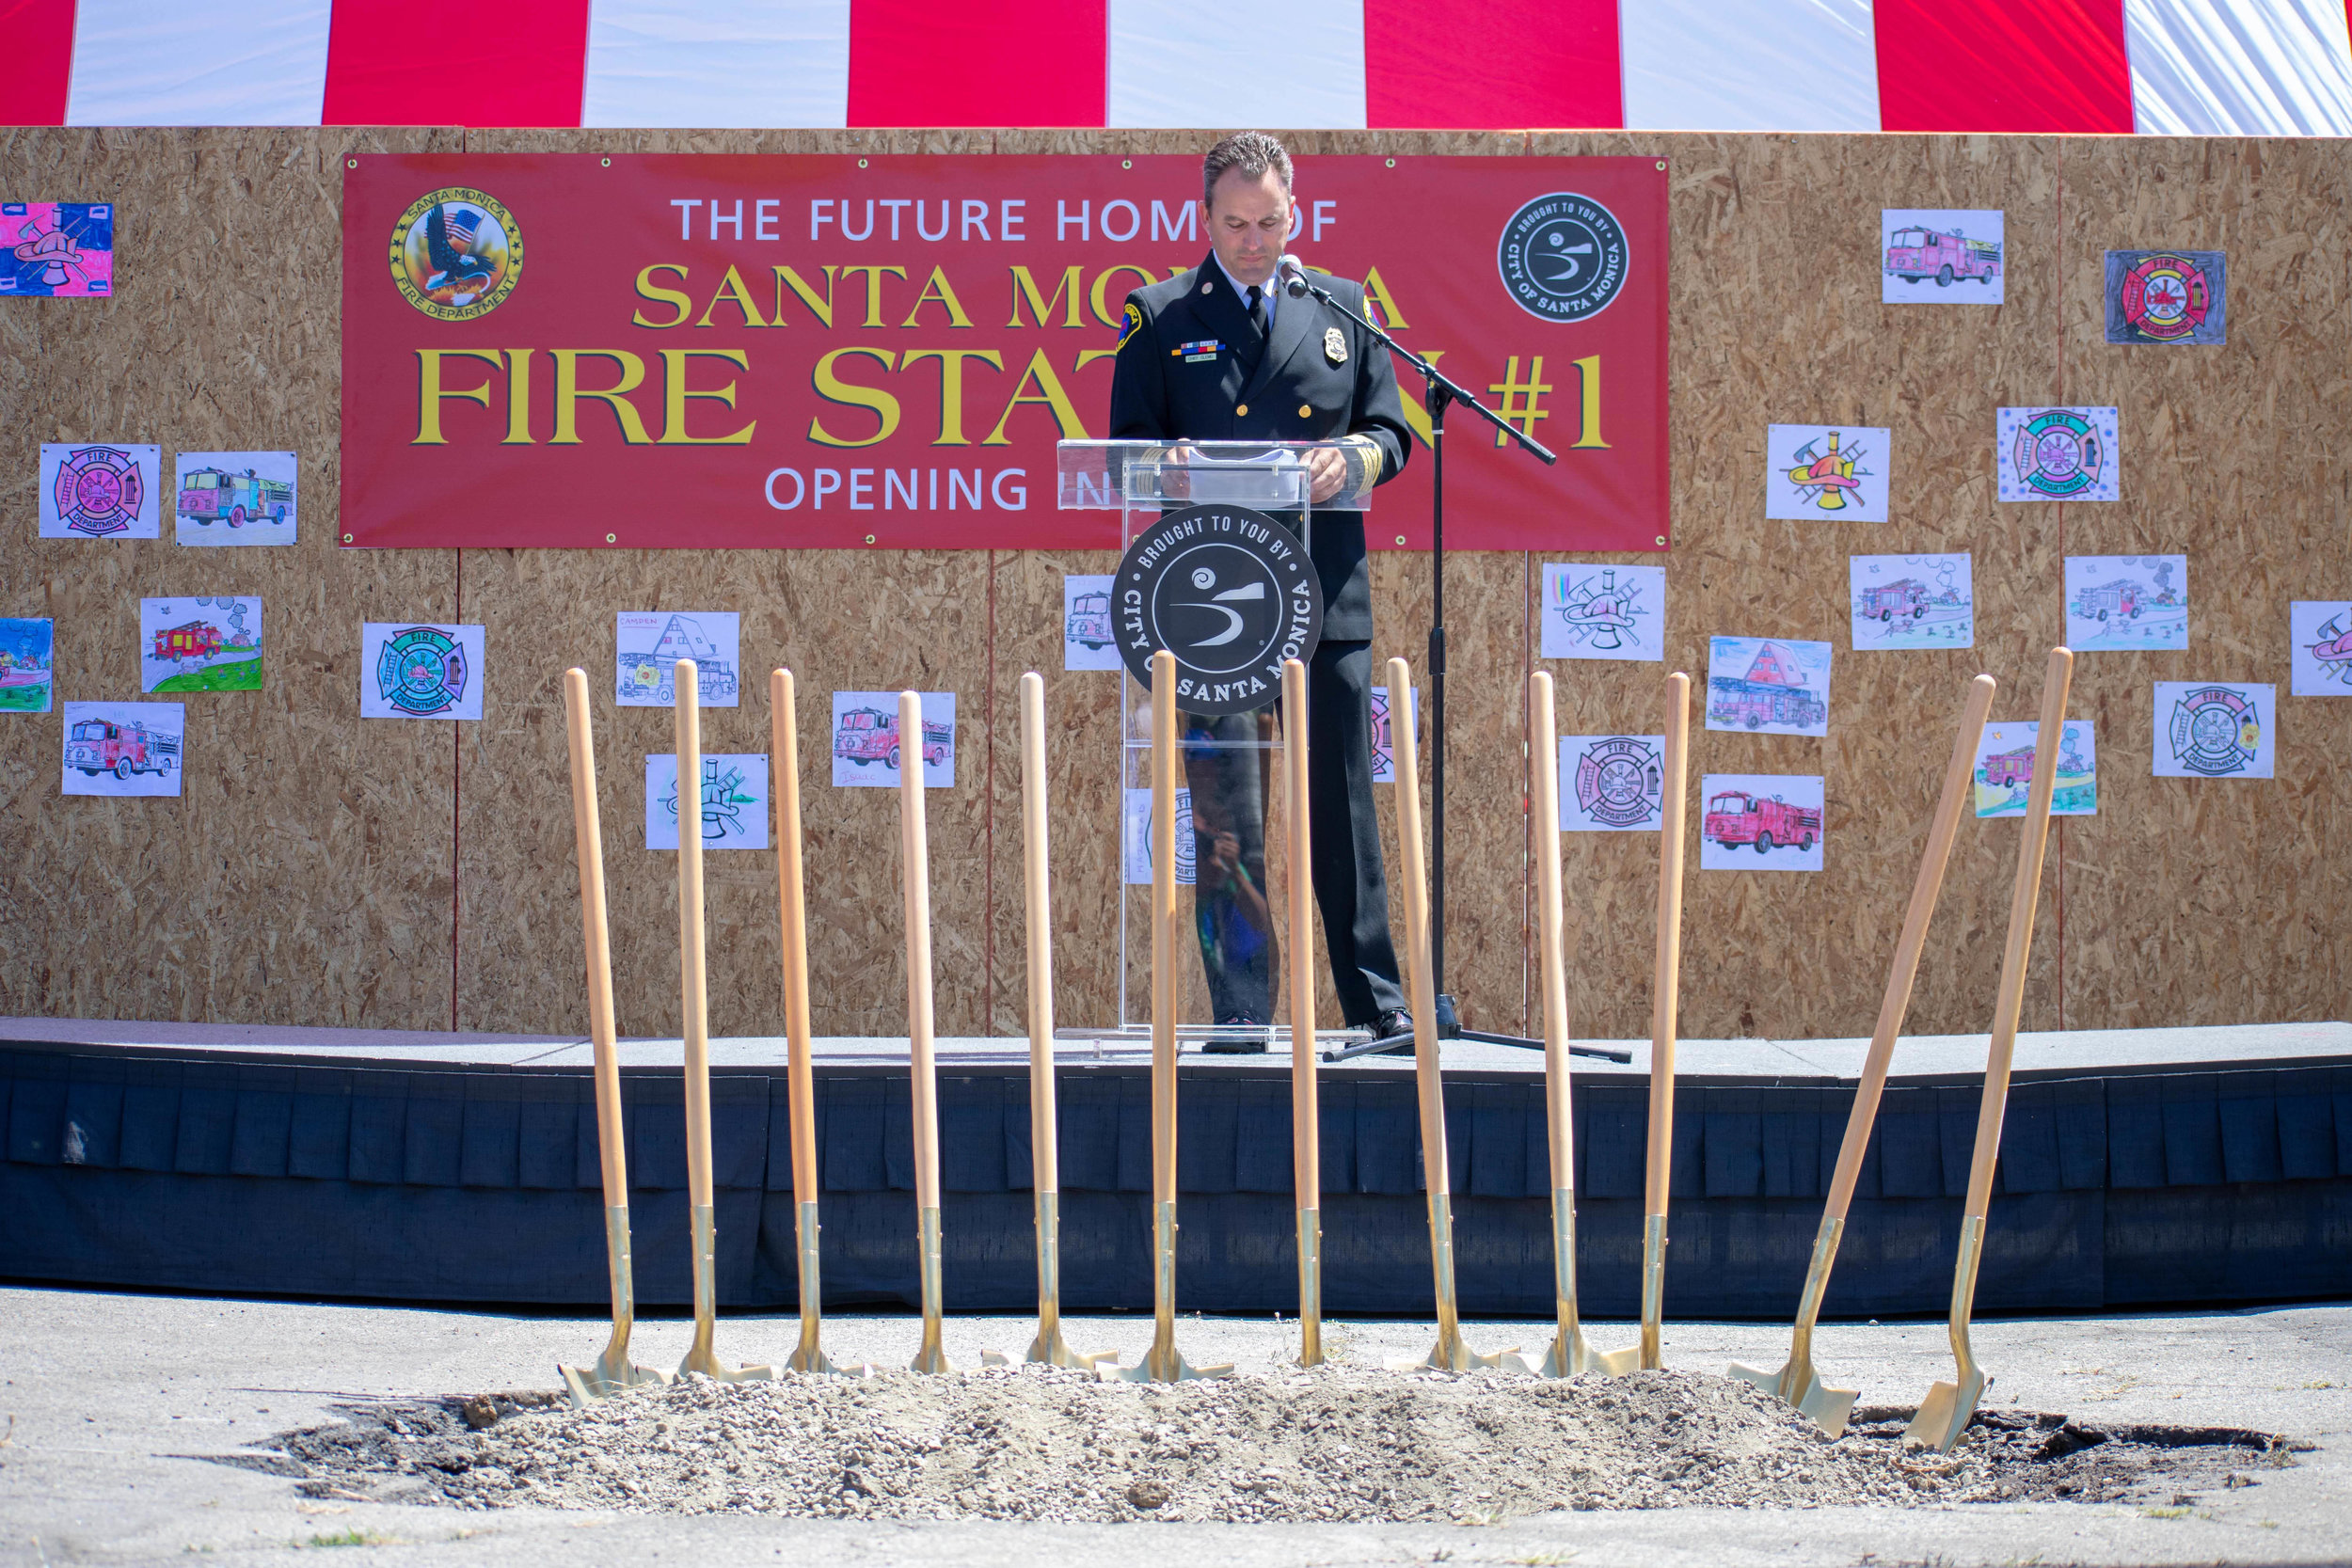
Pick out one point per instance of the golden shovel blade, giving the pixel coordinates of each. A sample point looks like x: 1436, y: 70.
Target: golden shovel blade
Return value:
x: 1154, y: 1368
x: 1830, y: 1408
x: 1943, y: 1415
x: 1617, y: 1363
x: 1568, y: 1355
x: 607, y: 1378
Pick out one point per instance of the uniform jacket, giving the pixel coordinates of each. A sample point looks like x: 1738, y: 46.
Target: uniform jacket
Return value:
x: 1168, y: 385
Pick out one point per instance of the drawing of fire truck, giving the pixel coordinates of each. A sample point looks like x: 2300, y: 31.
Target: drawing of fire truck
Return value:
x: 1735, y: 818
x: 102, y: 746
x: 869, y: 734
x: 195, y: 639
x: 2119, y: 598
x: 1089, y: 621
x: 1904, y: 596
x: 1915, y: 253
x: 2010, y: 769
x: 214, y: 495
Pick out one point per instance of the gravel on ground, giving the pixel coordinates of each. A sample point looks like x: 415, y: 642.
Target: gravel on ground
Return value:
x: 1340, y: 1443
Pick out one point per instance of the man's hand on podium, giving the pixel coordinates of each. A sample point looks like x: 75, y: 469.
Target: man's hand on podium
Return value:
x: 1328, y: 472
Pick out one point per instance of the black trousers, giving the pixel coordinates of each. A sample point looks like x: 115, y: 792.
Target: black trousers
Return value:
x: 1229, y: 788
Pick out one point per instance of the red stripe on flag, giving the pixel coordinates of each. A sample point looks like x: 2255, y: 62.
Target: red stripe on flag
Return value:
x: 519, y: 62
x: 2003, y: 65
x: 978, y: 62
x: 40, y: 62
x: 1481, y: 64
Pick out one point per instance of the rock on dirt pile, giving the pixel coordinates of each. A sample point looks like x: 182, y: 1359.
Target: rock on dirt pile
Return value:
x: 1041, y: 1443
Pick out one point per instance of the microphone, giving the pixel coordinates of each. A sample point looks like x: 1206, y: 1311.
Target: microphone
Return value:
x: 1294, y: 277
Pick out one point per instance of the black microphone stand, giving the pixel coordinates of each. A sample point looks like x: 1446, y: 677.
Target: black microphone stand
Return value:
x: 1439, y: 392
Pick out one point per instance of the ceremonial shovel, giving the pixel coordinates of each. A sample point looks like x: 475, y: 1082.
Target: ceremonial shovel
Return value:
x: 1569, y: 1355
x: 1943, y: 1413
x: 913, y: 838
x: 782, y: 720
x: 1450, y: 1353
x: 1798, y: 1382
x: 695, y: 1027
x: 1164, y: 1362
x: 1306, y: 1124
x: 613, y: 1371
x: 1666, y: 991
x: 1044, y: 1123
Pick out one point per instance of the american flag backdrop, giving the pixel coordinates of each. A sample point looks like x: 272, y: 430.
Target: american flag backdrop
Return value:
x: 2150, y: 66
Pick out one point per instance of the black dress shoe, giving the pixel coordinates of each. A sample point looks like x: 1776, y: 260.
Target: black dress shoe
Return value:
x: 1239, y: 1043
x: 1389, y: 1025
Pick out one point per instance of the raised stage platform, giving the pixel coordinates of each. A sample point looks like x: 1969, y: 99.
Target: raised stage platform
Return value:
x: 2137, y: 1168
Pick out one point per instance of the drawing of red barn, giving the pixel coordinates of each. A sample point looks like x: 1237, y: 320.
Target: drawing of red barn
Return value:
x: 1773, y: 692
x: 195, y: 639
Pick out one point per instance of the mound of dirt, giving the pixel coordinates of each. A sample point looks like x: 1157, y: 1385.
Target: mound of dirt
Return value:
x: 1336, y: 1443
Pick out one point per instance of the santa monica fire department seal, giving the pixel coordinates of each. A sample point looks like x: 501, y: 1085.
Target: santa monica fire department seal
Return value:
x: 1563, y: 257
x: 1230, y: 592
x: 456, y: 254
x: 421, y: 670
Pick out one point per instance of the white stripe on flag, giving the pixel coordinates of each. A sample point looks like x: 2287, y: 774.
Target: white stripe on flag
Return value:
x: 2239, y: 68
x: 197, y: 62
x: 781, y: 63
x: 1237, y: 63
x: 1749, y: 65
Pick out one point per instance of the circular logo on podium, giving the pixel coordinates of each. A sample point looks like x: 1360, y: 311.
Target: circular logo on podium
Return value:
x: 1230, y: 592
x: 1563, y: 257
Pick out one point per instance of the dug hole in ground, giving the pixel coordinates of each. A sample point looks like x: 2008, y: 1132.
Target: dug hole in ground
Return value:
x: 154, y: 1426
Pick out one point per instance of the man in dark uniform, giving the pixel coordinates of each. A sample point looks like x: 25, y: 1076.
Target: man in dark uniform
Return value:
x: 1218, y: 355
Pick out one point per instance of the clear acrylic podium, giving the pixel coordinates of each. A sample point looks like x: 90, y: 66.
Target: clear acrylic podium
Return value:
x: 1229, y: 763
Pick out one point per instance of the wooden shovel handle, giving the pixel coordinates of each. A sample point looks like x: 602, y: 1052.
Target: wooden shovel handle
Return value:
x: 588, y: 831
x: 693, y: 979
x: 1405, y: 748
x: 915, y: 848
x: 1045, y: 1160
x: 1959, y: 784
x: 1543, y: 749
x: 1163, y: 760
x: 2023, y: 892
x: 792, y: 896
x: 1668, y: 983
x: 1306, y: 1126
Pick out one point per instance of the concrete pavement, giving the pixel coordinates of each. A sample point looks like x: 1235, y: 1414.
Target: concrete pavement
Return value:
x: 108, y: 1401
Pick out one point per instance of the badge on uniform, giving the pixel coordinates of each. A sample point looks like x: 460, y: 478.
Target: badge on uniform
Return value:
x: 1334, y: 346
x: 1129, y: 322
x: 1195, y: 353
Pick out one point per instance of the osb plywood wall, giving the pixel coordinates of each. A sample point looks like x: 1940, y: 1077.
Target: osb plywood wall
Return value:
x: 325, y: 871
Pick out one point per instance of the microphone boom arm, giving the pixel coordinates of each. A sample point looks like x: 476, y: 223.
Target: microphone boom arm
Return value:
x: 1444, y: 388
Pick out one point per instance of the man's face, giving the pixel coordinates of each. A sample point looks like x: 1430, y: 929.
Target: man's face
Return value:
x: 1249, y: 220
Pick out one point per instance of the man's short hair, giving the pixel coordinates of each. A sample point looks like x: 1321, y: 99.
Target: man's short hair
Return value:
x: 1253, y: 153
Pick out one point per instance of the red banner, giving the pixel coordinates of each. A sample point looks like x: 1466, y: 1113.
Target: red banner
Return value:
x: 581, y: 351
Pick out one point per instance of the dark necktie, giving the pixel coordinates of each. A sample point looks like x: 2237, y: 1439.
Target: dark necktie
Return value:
x: 1257, y: 312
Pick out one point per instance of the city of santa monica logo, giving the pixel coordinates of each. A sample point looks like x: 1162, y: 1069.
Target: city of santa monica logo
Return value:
x: 1563, y: 257
x: 1230, y: 592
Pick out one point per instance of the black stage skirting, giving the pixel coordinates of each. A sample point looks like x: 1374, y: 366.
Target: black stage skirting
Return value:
x: 296, y: 1174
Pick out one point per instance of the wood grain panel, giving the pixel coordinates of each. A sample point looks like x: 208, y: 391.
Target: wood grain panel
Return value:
x: 328, y: 871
